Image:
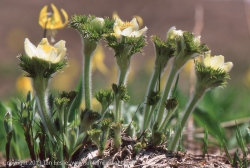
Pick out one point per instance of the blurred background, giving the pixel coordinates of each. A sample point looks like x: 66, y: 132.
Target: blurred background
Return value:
x: 222, y: 24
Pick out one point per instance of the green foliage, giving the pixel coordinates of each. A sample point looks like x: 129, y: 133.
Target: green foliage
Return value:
x: 131, y: 45
x: 164, y: 50
x: 35, y: 66
x: 82, y: 23
x: 120, y: 92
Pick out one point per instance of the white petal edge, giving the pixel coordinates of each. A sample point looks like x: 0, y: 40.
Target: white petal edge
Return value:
x: 30, y: 49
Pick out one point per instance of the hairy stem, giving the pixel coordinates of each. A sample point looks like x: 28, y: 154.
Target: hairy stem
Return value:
x: 40, y: 86
x: 147, y: 113
x: 190, y: 107
x: 118, y: 102
x: 172, y: 75
x: 88, y: 50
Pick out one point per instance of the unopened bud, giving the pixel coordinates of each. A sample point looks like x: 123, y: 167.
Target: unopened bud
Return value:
x: 97, y: 23
x: 8, y: 122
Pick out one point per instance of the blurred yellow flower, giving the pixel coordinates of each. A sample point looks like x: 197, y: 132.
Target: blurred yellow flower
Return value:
x: 23, y: 85
x: 98, y: 60
x: 52, y: 20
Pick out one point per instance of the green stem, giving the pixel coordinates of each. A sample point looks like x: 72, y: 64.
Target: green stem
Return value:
x: 147, y: 113
x: 60, y: 156
x: 118, y: 108
x: 190, y: 107
x: 29, y: 140
x: 87, y: 81
x: 165, y: 120
x: 122, y: 76
x: 118, y: 102
x: 7, y: 148
x: 151, y: 114
x: 40, y: 86
x: 173, y: 73
x: 88, y: 50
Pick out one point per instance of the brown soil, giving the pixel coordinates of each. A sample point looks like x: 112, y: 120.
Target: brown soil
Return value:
x: 149, y: 158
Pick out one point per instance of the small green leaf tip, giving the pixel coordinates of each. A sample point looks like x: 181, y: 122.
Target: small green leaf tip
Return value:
x: 89, y: 117
x: 91, y: 27
x: 121, y: 92
x: 105, y: 97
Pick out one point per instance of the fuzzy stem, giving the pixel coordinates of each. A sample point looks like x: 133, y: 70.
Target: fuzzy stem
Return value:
x: 151, y: 112
x: 164, y: 123
x: 190, y: 107
x: 147, y: 113
x: 173, y: 73
x: 118, y: 102
x: 104, y: 138
x: 88, y: 50
x: 40, y: 86
x: 7, y: 148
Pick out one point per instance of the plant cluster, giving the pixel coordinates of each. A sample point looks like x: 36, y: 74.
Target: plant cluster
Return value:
x: 55, y: 127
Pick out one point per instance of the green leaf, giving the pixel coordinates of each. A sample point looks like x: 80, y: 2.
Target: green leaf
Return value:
x: 203, y: 119
x: 75, y: 106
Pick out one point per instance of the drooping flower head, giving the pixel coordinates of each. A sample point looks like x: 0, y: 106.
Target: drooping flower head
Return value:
x: 52, y: 20
x: 43, y: 60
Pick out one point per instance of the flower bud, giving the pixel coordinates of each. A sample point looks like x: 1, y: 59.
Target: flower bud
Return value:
x: 97, y: 24
x: 8, y: 122
x: 172, y: 33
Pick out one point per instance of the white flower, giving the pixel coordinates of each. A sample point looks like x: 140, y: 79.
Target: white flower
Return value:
x: 45, y: 51
x: 216, y: 62
x: 128, y: 29
x: 172, y: 33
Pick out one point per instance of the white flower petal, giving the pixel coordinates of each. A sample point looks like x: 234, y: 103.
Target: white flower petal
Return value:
x: 59, y: 58
x: 119, y: 22
x: 217, y: 61
x: 60, y: 46
x: 197, y: 40
x: 41, y: 53
x: 172, y: 33
x: 117, y: 31
x: 30, y: 49
x: 139, y: 33
x: 44, y: 41
x: 127, y: 32
x: 134, y: 24
x: 227, y: 66
x: 52, y: 56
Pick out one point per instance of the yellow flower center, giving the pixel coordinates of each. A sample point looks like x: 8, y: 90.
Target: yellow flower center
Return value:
x: 126, y: 25
x: 48, y: 48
